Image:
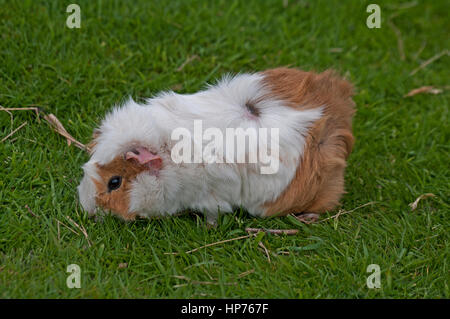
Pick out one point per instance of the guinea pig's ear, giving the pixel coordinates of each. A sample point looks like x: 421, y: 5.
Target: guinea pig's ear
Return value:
x: 93, y: 142
x: 144, y: 157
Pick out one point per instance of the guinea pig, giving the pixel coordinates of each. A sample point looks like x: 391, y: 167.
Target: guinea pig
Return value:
x: 272, y: 143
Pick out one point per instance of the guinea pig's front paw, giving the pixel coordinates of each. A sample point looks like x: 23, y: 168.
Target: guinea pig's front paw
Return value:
x: 98, y: 218
x: 307, y: 218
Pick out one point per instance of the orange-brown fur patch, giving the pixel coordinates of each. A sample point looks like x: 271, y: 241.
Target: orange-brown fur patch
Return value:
x: 318, y: 183
x: 118, y: 201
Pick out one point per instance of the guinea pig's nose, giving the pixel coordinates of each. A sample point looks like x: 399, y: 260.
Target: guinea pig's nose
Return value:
x: 142, y: 155
x: 137, y: 151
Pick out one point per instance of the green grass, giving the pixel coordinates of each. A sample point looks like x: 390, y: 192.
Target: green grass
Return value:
x: 134, y: 48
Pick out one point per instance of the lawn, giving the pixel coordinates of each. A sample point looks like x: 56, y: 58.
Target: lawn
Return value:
x: 138, y: 48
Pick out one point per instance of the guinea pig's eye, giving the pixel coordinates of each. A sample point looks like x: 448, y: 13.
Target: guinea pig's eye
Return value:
x: 114, y: 183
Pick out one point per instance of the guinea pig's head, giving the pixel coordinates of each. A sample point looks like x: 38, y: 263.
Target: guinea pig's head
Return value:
x: 124, y: 163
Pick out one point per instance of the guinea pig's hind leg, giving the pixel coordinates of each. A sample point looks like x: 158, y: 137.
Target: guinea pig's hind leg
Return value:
x: 308, y: 218
x: 211, y: 221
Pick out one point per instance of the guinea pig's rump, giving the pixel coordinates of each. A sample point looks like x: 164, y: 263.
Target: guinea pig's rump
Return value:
x: 319, y: 179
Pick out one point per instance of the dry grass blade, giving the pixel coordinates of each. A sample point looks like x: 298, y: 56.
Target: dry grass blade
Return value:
x: 418, y: 199
x: 73, y: 231
x: 10, y: 134
x: 424, y: 89
x: 196, y: 282
x: 405, y: 5
x: 205, y: 283
x: 212, y: 244
x: 31, y: 212
x: 82, y: 229
x: 273, y: 231
x: 8, y: 109
x: 260, y: 244
x: 188, y: 60
x: 429, y: 61
x: 52, y: 120
x: 398, y: 34
x: 341, y: 212
x: 307, y: 218
x: 59, y: 128
x: 336, y: 50
x: 246, y: 273
x: 417, y: 54
x: 10, y: 115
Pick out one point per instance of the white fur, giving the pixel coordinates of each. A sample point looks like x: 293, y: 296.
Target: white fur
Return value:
x: 204, y: 187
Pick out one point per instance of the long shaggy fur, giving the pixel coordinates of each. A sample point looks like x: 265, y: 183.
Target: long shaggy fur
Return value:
x: 312, y: 112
